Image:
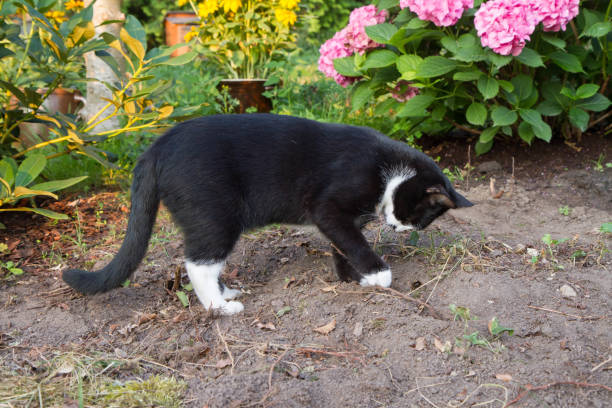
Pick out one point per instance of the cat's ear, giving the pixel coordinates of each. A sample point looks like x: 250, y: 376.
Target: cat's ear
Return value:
x: 437, y: 195
x: 461, y: 201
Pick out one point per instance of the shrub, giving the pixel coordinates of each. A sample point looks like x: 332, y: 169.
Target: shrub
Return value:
x: 502, y: 67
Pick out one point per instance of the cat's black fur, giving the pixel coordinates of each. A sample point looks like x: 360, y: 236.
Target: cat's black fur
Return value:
x: 221, y: 175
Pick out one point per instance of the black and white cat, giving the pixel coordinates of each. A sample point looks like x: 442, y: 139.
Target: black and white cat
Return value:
x: 221, y: 175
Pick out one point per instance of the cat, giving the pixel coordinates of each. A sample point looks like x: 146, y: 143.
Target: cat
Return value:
x: 221, y: 175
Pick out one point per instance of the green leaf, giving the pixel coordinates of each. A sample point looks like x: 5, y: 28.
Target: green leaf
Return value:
x: 346, y: 66
x: 555, y: 41
x: 530, y: 58
x: 596, y: 30
x: 495, y: 329
x: 362, y: 93
x: 476, y: 114
x: 523, y: 86
x: 579, y: 118
x: 498, y: 60
x: 181, y: 59
x: 488, y: 87
x: 482, y: 148
x: 506, y: 85
x: 407, y: 65
x: 29, y: 169
x: 435, y: 66
x: 136, y: 30
x: 586, y: 91
x: 55, y: 185
x: 526, y: 132
x: 110, y: 61
x: 41, y: 211
x: 503, y: 116
x: 183, y: 298
x: 467, y: 75
x: 549, y: 108
x: 541, y: 129
x: 381, y: 33
x: 569, y: 62
x: 416, y: 106
x: 386, y: 4
x: 488, y: 134
x: 5, y: 52
x: 595, y: 103
x: 606, y: 228
x: 283, y: 311
x: 7, y: 172
x: 380, y: 59
x: 415, y: 23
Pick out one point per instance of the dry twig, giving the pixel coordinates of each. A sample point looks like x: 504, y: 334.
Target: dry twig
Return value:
x: 567, y: 314
x: 530, y: 387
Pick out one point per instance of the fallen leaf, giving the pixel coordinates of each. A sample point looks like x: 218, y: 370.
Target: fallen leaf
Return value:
x: 146, y: 317
x: 329, y: 288
x: 504, y: 377
x: 288, y: 282
x: 327, y: 328
x: 223, y: 363
x: 494, y: 193
x: 419, y: 345
x: 266, y: 326
x: 442, y: 347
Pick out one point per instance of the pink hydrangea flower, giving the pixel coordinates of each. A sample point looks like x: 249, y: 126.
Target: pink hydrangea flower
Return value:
x: 404, y: 91
x: 555, y: 14
x: 505, y: 25
x: 359, y: 19
x: 349, y: 40
x: 335, y: 47
x: 442, y: 13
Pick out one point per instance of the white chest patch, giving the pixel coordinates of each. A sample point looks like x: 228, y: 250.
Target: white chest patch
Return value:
x: 386, y: 207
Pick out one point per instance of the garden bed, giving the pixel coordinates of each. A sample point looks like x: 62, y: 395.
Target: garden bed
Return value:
x: 305, y: 339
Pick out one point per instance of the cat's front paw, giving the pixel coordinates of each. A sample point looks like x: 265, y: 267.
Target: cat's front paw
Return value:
x: 230, y: 308
x: 229, y: 293
x: 381, y: 278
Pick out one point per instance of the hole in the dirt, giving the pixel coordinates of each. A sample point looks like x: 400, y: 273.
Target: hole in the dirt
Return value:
x: 416, y: 285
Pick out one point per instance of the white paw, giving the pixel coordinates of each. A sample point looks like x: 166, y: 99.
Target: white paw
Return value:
x: 381, y: 278
x: 229, y: 293
x: 230, y: 308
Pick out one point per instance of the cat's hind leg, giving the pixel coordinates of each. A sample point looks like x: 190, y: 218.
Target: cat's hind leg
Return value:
x: 204, y: 277
x: 208, y: 242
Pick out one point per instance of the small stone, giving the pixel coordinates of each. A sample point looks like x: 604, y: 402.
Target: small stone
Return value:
x: 489, y: 167
x: 496, y: 253
x: 567, y: 291
x: 532, y: 252
x: 358, y: 330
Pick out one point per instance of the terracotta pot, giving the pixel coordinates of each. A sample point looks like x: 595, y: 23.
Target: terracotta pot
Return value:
x: 249, y: 93
x: 176, y: 25
x: 66, y: 101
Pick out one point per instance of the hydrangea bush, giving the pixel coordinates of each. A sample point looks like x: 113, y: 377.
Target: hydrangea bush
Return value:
x: 527, y: 68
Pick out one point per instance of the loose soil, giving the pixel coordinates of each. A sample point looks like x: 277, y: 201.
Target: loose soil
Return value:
x: 307, y: 340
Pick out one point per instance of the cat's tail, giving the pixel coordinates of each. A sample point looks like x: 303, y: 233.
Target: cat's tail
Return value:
x: 145, y: 203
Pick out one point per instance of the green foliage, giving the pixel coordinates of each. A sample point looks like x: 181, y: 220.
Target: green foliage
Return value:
x: 554, y: 86
x: 151, y: 14
x: 16, y: 184
x: 11, y: 268
x: 42, y: 55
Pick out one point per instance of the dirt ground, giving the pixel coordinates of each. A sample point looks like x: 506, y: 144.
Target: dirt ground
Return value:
x: 306, y: 340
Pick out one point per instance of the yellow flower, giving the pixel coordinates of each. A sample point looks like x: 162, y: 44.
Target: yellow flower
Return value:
x: 207, y: 7
x: 74, y: 5
x: 232, y: 5
x: 56, y: 16
x: 191, y: 34
x: 181, y: 3
x: 289, y: 4
x: 286, y: 17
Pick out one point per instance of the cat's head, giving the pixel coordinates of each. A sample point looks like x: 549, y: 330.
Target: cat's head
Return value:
x: 416, y: 202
